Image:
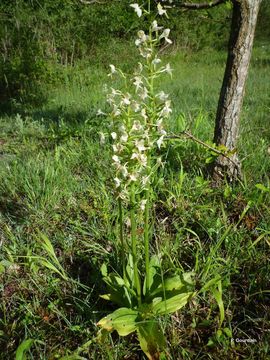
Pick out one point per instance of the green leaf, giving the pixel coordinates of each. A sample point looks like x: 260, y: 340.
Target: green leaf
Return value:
x: 172, y: 304
x: 103, y: 270
x: 23, y: 347
x: 217, y: 293
x: 210, y: 283
x: 52, y: 267
x: 119, y: 293
x: 228, y: 5
x: 227, y: 332
x: 262, y: 187
x: 154, y: 274
x: 174, y: 284
x: 151, y: 339
x: 209, y: 160
x: 130, y: 270
x: 123, y: 320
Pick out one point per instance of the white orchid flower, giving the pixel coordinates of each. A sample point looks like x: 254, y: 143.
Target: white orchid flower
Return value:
x: 124, y: 137
x: 144, y: 115
x: 140, y: 145
x: 138, y: 82
x: 117, y: 182
x: 156, y: 61
x: 137, y: 9
x: 113, y: 70
x: 162, y: 96
x: 155, y: 26
x: 143, y: 93
x: 133, y: 177
x: 160, y: 141
x: 114, y: 135
x: 116, y: 159
x: 100, y: 112
x: 102, y: 138
x: 135, y: 106
x: 142, y: 204
x: 165, y: 35
x: 136, y: 126
x: 165, y: 112
x: 161, y: 10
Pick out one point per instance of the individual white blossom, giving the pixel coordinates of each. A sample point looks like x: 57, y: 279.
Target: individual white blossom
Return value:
x: 142, y: 204
x: 125, y: 100
x: 114, y: 135
x: 162, y: 96
x: 138, y: 82
x: 161, y: 10
x: 102, y: 138
x: 142, y: 38
x: 140, y: 145
x: 168, y: 69
x: 117, y: 148
x: 165, y: 35
x: 113, y: 70
x: 143, y: 93
x: 117, y: 182
x: 122, y: 128
x: 141, y: 158
x: 116, y: 159
x: 100, y: 112
x: 137, y: 126
x: 156, y: 61
x: 145, y: 180
x: 155, y: 26
x: 135, y: 106
x: 116, y: 112
x: 144, y: 115
x: 128, y: 222
x: 124, y: 137
x: 146, y: 52
x: 160, y: 141
x: 137, y: 9
x: 133, y: 177
x: 124, y: 170
x: 166, y: 111
x: 134, y: 156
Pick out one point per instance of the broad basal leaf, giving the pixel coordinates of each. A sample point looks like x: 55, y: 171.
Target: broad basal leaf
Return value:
x: 119, y: 293
x: 123, y: 320
x: 151, y: 339
x: 172, y: 304
x: 154, y: 274
x: 174, y: 283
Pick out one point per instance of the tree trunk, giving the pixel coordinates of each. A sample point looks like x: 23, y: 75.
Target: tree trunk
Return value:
x: 243, y: 26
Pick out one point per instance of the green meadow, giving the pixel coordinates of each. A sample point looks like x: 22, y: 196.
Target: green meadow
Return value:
x: 58, y: 213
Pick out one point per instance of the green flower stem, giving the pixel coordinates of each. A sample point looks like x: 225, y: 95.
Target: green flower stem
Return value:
x: 146, y: 240
x: 134, y: 244
x: 121, y: 234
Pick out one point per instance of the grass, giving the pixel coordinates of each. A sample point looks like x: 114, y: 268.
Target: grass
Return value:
x: 56, y: 179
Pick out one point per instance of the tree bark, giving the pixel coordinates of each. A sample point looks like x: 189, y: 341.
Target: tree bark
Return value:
x: 226, y: 133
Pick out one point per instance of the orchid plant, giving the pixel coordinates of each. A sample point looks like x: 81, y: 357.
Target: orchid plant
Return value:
x: 138, y: 113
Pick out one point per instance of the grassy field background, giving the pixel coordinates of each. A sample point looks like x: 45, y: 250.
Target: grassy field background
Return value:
x: 56, y: 180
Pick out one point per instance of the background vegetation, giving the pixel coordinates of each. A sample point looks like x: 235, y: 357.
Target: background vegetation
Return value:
x: 55, y: 179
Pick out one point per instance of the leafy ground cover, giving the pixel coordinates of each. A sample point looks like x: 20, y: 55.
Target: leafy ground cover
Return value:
x: 56, y: 188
